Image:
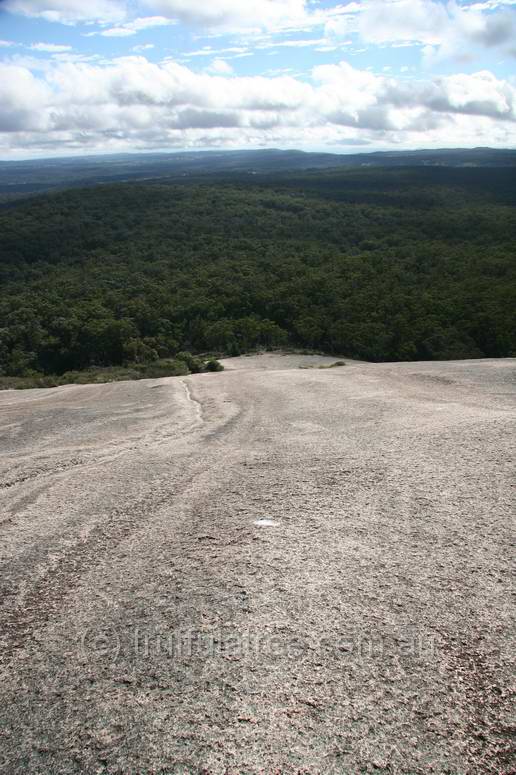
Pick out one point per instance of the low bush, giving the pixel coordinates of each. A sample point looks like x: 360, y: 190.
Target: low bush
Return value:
x: 214, y: 365
x: 180, y: 366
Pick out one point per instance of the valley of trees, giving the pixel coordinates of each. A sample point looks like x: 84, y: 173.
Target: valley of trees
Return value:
x: 379, y: 264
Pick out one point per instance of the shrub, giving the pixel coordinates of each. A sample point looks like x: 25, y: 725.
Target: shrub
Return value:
x: 214, y: 365
x: 168, y: 367
x: 194, y: 365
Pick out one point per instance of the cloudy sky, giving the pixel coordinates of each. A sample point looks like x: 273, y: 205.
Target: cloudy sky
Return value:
x: 101, y: 76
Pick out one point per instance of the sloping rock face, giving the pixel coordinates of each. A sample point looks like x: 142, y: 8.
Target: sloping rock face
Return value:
x: 271, y: 569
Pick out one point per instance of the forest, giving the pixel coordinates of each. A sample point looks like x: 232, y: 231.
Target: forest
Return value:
x: 380, y: 264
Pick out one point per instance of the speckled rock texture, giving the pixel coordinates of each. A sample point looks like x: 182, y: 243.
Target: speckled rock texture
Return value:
x: 273, y: 569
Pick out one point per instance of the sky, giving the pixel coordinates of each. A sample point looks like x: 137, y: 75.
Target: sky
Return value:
x: 106, y: 76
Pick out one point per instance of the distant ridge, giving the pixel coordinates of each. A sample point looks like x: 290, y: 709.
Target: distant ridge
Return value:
x: 31, y: 176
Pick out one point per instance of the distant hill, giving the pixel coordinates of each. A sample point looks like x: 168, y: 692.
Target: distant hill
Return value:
x: 22, y: 177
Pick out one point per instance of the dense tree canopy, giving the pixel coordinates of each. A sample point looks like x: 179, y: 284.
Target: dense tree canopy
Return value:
x: 379, y: 264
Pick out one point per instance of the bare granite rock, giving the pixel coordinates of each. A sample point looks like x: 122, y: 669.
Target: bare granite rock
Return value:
x: 274, y: 569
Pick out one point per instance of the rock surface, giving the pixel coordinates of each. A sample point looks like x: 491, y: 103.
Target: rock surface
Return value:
x: 274, y: 569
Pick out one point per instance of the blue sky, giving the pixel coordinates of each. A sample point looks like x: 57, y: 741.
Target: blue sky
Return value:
x: 141, y: 75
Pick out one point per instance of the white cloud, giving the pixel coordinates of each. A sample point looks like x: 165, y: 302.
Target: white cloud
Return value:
x: 220, y: 67
x: 261, y: 14
x: 50, y: 48
x: 447, y: 30
x: 116, y: 32
x: 208, y: 51
x: 143, y: 47
x: 24, y: 99
x: 137, y: 25
x: 253, y: 15
x: 422, y: 21
x: 70, y: 11
x: 299, y: 43
x: 6, y: 43
x: 490, y: 5
x: 133, y: 103
x: 250, y: 15
x: 360, y: 98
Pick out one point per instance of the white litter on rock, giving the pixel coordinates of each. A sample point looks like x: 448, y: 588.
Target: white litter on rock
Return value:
x: 265, y: 523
